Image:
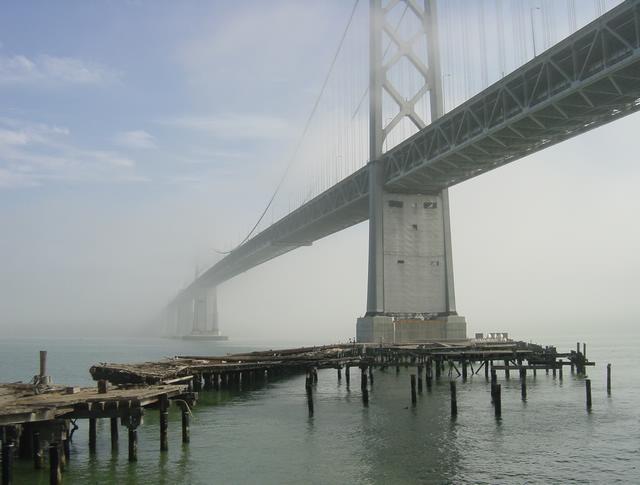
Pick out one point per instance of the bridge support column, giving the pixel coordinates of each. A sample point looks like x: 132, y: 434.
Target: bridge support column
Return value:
x: 195, y: 315
x: 413, y: 297
x: 410, y: 294
x: 180, y: 317
x: 205, y: 320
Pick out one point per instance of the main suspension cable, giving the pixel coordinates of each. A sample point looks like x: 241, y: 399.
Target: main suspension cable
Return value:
x: 304, y: 132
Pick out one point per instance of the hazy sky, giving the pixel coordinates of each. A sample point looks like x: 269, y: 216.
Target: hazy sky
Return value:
x: 136, y: 137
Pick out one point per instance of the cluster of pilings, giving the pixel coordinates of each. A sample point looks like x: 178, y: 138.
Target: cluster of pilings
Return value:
x: 235, y: 379
x: 459, y: 363
x: 36, y: 440
x: 178, y: 381
x: 38, y: 421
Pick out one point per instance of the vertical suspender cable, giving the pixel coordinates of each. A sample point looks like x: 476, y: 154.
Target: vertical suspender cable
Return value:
x: 304, y: 132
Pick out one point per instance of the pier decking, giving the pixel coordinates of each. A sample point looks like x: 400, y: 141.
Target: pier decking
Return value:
x: 23, y: 403
x: 39, y: 413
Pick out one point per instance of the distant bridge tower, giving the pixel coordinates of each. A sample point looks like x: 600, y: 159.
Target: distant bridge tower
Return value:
x: 410, y: 294
x: 194, y: 314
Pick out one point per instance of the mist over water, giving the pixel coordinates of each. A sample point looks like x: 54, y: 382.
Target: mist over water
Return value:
x: 135, y: 143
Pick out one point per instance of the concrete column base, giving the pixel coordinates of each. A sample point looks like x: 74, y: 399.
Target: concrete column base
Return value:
x: 410, y: 330
x: 378, y: 329
x: 388, y: 330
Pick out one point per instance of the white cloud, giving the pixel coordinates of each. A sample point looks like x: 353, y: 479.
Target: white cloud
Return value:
x: 135, y: 139
x: 44, y: 69
x: 15, y: 180
x: 34, y: 153
x: 234, y: 126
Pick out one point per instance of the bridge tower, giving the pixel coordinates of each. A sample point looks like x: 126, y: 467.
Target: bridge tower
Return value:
x: 195, y: 315
x: 410, y: 294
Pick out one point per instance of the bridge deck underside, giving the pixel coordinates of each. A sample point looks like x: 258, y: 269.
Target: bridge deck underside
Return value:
x: 589, y: 79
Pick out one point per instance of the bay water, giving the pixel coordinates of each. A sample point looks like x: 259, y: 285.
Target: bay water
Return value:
x: 264, y: 434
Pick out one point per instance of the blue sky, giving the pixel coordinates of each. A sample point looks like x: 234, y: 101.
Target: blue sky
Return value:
x: 118, y: 116
x: 138, y: 136
x: 151, y: 92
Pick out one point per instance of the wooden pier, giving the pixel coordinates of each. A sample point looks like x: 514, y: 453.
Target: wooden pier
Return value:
x: 213, y: 372
x: 38, y: 415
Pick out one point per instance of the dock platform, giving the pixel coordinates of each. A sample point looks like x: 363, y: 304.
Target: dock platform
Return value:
x: 39, y: 415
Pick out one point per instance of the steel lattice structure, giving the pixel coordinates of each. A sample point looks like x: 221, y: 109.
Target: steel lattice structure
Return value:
x: 589, y: 79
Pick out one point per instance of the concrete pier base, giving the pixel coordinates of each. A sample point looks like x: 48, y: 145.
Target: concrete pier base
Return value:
x: 378, y: 329
x: 204, y: 336
x: 387, y: 329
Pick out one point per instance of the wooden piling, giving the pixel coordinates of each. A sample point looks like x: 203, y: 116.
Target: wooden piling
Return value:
x: 92, y: 435
x: 133, y: 443
x: 215, y: 381
x: 454, y: 399
x: 506, y: 369
x: 365, y: 397
x: 55, y: 473
x: 66, y: 449
x: 497, y: 401
x: 347, y: 374
x: 363, y: 378
x: 38, y: 454
x: 339, y: 373
x: 438, y: 369
x: 587, y: 383
x: 609, y: 379
x: 494, y: 383
x: 523, y: 384
x: 419, y: 384
x: 186, y: 432
x: 486, y: 370
x: 308, y: 386
x: 43, y: 363
x: 114, y: 434
x: 584, y: 350
x: 413, y: 390
x: 464, y: 370
x: 103, y: 386
x: 197, y: 382
x: 164, y: 422
x: 63, y: 457
x: 371, y: 374
x: 7, y: 462
x: 560, y: 368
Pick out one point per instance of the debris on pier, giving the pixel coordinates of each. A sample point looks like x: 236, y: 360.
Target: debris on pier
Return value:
x: 40, y: 413
x: 187, y: 368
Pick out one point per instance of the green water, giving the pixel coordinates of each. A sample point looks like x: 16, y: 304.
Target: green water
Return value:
x: 265, y: 435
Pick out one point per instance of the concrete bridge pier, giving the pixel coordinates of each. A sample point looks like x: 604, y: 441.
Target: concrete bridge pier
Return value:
x: 205, y: 319
x: 195, y: 315
x: 410, y: 295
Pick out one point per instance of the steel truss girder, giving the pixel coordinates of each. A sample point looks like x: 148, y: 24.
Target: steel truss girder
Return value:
x: 299, y: 228
x: 589, y: 79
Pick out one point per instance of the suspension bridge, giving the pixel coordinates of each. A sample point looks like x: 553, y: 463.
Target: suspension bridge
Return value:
x: 454, y: 89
